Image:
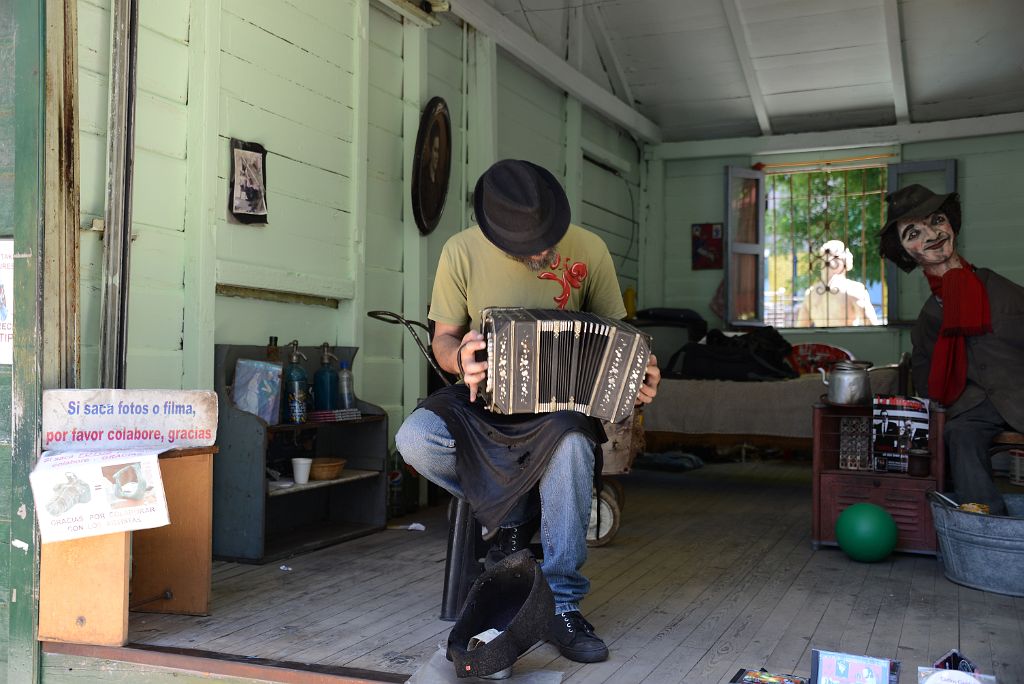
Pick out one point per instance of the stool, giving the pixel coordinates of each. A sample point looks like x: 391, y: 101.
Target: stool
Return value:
x: 461, y: 566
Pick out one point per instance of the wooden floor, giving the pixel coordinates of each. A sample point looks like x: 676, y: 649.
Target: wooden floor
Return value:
x: 710, y: 571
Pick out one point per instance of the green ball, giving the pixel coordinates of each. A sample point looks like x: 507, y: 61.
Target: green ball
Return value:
x: 866, y: 532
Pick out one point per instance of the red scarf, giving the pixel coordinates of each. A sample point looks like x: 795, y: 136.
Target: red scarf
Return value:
x: 965, y: 312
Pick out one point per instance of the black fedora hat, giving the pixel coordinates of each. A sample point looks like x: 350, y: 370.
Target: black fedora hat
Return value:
x: 912, y: 202
x: 521, y: 207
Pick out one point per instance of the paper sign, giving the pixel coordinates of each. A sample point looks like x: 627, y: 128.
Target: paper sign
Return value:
x: 84, y: 494
x: 6, y: 301
x: 92, y: 419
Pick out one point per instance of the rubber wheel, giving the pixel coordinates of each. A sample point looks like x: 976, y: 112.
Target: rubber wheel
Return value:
x: 618, y: 491
x: 610, y: 515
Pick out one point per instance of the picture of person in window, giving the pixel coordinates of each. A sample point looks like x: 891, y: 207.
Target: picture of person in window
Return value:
x: 834, y: 299
x: 968, y: 339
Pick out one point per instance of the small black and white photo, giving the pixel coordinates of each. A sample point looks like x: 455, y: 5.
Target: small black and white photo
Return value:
x: 248, y: 200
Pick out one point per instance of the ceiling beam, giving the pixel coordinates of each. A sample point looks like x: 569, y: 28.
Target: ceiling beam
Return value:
x: 617, y: 77
x: 741, y: 40
x: 894, y: 41
x: 522, y: 46
x: 898, y: 134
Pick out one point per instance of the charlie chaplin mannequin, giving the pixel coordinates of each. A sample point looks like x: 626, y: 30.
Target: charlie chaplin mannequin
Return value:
x: 968, y: 340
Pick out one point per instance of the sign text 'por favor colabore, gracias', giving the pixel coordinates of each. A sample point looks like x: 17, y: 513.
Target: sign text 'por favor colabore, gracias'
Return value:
x: 100, y: 471
x: 83, y: 420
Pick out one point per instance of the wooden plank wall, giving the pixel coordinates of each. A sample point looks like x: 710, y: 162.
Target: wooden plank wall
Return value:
x: 382, y: 356
x: 531, y: 118
x: 445, y: 79
x: 156, y: 309
x: 611, y: 201
x: 287, y: 82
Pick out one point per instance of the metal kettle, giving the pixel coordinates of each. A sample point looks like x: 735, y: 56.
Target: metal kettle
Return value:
x: 848, y: 383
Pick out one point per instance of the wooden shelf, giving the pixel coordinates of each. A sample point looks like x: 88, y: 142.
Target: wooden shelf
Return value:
x: 346, y: 476
x: 255, y: 523
x: 317, y: 424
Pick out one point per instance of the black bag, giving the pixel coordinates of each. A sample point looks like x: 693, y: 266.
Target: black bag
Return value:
x: 758, y: 355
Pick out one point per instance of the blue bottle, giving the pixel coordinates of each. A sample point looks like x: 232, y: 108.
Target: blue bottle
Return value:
x: 325, y: 382
x: 296, y: 387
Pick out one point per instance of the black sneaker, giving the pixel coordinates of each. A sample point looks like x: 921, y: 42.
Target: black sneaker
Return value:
x: 575, y: 638
x: 507, y: 541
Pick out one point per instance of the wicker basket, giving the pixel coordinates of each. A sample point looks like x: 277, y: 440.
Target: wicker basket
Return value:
x: 326, y: 468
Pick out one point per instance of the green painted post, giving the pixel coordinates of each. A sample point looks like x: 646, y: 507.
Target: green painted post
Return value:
x: 23, y: 649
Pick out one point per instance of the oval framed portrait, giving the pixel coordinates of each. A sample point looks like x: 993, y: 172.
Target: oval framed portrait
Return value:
x: 431, y: 165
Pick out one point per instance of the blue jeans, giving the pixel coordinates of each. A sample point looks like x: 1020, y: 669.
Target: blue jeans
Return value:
x: 565, y: 497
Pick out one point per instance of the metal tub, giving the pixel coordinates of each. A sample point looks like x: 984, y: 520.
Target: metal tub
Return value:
x: 982, y: 551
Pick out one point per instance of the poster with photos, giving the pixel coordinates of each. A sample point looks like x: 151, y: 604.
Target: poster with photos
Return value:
x: 706, y: 246
x: 899, y: 424
x: 247, y: 202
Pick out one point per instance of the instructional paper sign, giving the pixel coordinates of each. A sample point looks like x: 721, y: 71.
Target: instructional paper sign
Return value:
x: 89, y: 419
x: 84, y: 494
x: 6, y: 301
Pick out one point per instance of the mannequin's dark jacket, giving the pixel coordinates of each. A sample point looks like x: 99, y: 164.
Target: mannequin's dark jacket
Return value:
x: 995, y: 361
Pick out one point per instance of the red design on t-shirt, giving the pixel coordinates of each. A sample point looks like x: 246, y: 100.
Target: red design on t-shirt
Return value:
x: 572, y: 276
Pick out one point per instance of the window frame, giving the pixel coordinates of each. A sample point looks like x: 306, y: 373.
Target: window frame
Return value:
x: 733, y: 246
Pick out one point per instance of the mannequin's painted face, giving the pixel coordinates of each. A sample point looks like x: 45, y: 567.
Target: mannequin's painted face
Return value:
x: 930, y: 240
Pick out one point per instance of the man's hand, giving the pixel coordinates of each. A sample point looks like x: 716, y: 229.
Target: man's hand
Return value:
x: 650, y: 387
x: 473, y: 372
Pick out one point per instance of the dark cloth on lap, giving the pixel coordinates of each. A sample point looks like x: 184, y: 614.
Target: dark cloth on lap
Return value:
x: 499, y: 458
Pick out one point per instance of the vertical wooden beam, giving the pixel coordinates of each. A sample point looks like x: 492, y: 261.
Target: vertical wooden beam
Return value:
x: 651, y: 266
x: 483, y: 106
x: 202, y: 144
x: 352, y: 319
x: 61, y: 197
x: 30, y: 72
x: 414, y: 247
x: 124, y: 29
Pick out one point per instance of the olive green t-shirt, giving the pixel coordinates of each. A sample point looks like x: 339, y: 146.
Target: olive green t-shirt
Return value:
x: 473, y: 274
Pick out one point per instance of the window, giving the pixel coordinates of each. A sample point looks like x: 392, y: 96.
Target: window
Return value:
x: 821, y: 262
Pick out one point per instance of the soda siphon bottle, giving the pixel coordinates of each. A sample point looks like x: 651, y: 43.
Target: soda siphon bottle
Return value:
x: 296, y: 387
x: 325, y: 382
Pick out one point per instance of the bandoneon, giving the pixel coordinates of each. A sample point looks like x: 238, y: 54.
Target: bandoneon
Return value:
x: 543, y: 360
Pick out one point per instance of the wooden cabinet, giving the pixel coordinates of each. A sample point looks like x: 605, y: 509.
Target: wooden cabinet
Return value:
x: 901, y: 495
x: 253, y: 522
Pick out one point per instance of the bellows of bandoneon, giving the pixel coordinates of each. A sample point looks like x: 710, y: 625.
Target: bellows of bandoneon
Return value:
x: 543, y: 360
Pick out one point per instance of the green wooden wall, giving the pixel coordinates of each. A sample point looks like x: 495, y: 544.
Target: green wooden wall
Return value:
x: 531, y: 118
x: 986, y: 168
x: 382, y: 343
x: 155, y: 355
x: 287, y: 82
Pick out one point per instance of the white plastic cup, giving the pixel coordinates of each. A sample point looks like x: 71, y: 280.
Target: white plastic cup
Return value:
x: 300, y: 469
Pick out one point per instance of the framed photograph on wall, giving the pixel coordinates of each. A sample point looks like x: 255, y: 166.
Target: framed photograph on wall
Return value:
x: 706, y: 246
x: 247, y: 201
